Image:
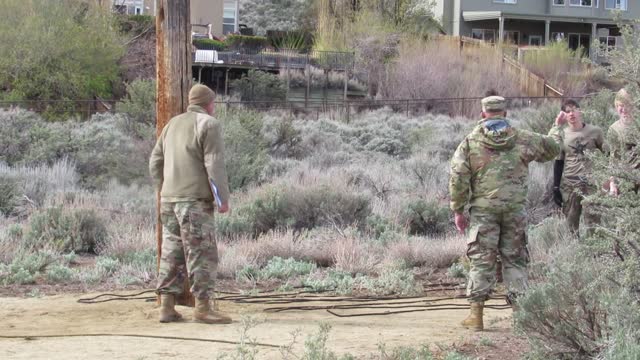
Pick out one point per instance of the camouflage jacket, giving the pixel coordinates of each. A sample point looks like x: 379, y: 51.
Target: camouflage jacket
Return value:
x: 490, y: 167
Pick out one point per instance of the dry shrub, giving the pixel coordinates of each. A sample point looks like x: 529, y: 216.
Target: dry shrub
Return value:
x: 560, y: 66
x: 355, y: 256
x: 539, y: 204
x: 126, y: 238
x: 437, y: 252
x: 232, y: 257
x: 438, y: 69
x: 316, y: 246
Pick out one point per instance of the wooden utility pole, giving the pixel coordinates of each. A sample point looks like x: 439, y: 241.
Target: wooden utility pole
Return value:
x: 173, y: 81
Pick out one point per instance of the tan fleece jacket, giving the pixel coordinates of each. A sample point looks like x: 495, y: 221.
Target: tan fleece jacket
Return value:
x: 188, y: 154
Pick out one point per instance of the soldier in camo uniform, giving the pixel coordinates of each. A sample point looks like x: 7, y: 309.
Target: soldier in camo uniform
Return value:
x: 489, y: 173
x: 187, y: 165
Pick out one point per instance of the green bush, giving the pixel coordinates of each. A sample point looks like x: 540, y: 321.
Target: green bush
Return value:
x: 571, y: 310
x: 106, y: 266
x: 341, y: 282
x: 296, y: 207
x: 406, y: 353
x: 259, y: 85
x: 539, y: 119
x: 238, y: 42
x: 9, y: 194
x: 67, y: 230
x: 82, y: 54
x: 135, y: 24
x: 377, y: 226
x: 278, y: 268
x: 106, y: 151
x: 393, y: 282
x: 599, y: 109
x: 290, y: 40
x: 102, y: 149
x: 26, y: 138
x: 140, y: 103
x: 457, y: 270
x: 245, y: 148
x: 425, y: 217
x: 285, y: 139
x: 209, y: 44
x: 59, y: 273
x: 25, y: 267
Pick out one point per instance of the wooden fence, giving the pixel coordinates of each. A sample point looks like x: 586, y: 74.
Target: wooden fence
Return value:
x: 530, y: 83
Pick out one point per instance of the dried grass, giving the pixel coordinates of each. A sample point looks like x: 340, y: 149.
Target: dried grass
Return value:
x: 439, y: 70
x: 355, y: 256
x: 433, y: 252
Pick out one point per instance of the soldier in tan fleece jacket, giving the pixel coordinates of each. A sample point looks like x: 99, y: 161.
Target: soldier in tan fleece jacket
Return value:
x: 187, y: 166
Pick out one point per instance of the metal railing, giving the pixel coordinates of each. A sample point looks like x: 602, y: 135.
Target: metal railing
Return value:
x: 469, y: 106
x: 277, y: 59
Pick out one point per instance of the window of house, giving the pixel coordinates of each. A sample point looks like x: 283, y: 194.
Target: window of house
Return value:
x: 512, y: 37
x: 535, y: 40
x: 488, y: 35
x: 580, y: 42
x: 138, y: 10
x: 558, y: 36
x: 586, y: 3
x: 506, y: 1
x: 558, y: 2
x: 616, y: 4
x: 607, y: 43
x: 229, y: 17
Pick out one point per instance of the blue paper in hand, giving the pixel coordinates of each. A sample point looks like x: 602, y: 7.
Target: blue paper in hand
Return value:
x: 216, y: 194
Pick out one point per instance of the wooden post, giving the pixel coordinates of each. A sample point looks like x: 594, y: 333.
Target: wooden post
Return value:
x: 307, y: 91
x: 346, y: 83
x: 325, y: 91
x: 173, y: 74
x: 226, y: 82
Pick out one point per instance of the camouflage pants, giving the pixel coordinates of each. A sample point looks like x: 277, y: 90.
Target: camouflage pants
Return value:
x: 492, y: 234
x: 188, y: 247
x: 573, y: 208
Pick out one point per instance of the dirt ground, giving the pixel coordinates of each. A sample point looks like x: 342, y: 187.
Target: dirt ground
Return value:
x: 360, y: 336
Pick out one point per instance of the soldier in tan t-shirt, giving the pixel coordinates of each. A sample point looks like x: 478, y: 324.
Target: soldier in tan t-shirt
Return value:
x: 572, y: 168
x: 620, y: 135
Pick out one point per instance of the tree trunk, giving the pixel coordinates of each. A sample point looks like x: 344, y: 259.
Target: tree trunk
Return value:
x: 173, y: 74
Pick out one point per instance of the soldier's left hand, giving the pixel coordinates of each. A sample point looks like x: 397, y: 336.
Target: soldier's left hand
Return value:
x: 461, y: 222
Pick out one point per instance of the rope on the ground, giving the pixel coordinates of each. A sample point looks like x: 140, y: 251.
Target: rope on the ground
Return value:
x: 414, y: 303
x: 114, y: 297
x: 33, y: 337
x: 417, y: 306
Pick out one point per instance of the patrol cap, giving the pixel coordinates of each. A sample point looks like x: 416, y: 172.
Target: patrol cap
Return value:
x: 201, y: 95
x: 493, y: 103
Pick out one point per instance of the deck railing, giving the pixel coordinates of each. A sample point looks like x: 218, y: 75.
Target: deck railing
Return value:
x: 277, y: 59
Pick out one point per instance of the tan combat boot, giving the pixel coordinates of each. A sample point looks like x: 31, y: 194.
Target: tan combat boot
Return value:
x: 204, y: 314
x: 168, y: 312
x: 474, y: 320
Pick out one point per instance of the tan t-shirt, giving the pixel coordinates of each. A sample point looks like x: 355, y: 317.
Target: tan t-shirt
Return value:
x: 619, y: 138
x: 575, y: 145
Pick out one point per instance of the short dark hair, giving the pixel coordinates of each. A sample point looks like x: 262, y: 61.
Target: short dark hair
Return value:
x: 570, y: 102
x: 491, y: 92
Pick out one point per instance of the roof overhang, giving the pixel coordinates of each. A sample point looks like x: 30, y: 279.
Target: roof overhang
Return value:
x: 495, y: 15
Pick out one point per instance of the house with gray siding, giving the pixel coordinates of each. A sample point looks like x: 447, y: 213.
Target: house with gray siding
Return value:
x: 537, y: 22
